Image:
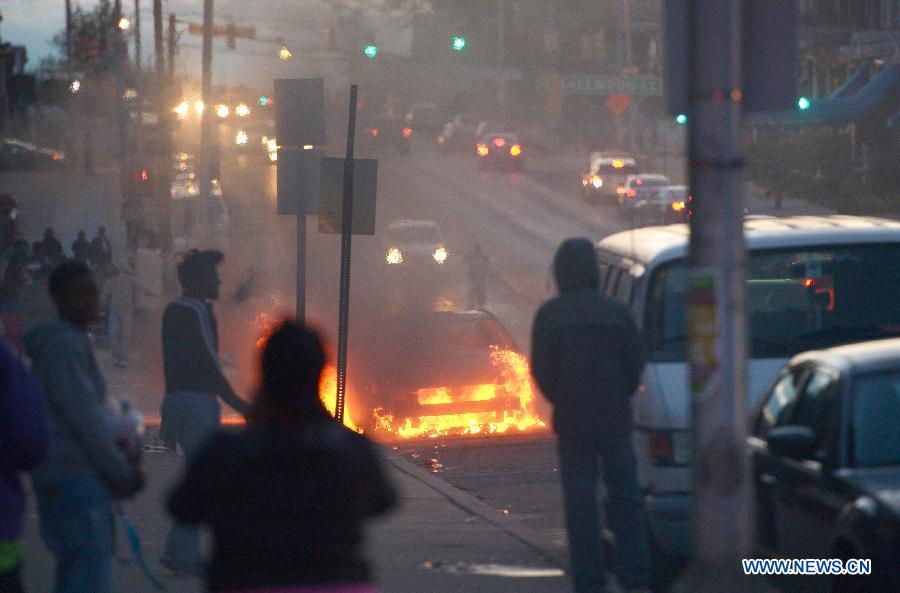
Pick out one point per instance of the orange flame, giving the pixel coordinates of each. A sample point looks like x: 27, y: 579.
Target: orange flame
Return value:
x: 514, y: 410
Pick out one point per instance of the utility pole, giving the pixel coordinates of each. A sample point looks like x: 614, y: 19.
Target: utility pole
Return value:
x: 716, y: 309
x: 171, y: 48
x: 206, y: 117
x: 159, y: 67
x: 501, y: 51
x: 137, y: 37
x: 69, y: 30
x: 629, y: 69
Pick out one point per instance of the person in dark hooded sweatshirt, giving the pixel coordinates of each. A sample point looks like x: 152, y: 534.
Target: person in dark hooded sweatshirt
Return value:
x: 587, y: 358
x: 286, y: 497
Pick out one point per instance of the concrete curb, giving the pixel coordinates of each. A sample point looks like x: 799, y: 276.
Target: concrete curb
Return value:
x: 477, y: 507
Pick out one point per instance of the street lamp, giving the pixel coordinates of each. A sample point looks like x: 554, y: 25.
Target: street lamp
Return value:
x: 284, y: 54
x: 124, y: 24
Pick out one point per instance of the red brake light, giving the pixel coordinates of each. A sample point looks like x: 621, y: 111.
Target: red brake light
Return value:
x: 632, y: 193
x: 499, y: 142
x: 407, y: 132
x: 144, y: 175
x: 373, y: 132
x: 639, y: 182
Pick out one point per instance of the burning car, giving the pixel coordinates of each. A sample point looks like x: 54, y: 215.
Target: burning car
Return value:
x: 450, y: 373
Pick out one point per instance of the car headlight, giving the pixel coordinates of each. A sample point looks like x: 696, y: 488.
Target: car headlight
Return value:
x: 394, y: 256
x: 597, y: 181
x: 440, y: 255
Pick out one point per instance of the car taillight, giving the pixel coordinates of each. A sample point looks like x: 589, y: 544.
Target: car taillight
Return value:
x: 373, y: 132
x: 407, y: 132
x: 631, y: 193
x: 482, y: 150
x: 678, y: 206
x: 515, y: 150
x: 499, y: 142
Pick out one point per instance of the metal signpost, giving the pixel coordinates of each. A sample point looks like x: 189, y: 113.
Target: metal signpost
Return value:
x: 346, y: 237
x: 299, y: 128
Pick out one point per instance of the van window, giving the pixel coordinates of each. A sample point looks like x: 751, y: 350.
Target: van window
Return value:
x: 623, y: 290
x: 612, y: 283
x: 797, y: 299
x: 603, y: 271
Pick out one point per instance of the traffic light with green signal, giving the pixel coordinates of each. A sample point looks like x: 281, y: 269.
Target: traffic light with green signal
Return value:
x: 458, y: 43
x: 371, y: 51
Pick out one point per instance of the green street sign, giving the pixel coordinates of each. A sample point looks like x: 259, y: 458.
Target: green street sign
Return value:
x: 594, y: 84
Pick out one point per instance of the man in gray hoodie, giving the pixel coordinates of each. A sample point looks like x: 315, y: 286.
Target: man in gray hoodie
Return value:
x: 84, y: 470
x: 587, y: 357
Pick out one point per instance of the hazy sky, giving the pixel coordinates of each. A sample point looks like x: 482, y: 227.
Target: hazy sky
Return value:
x: 299, y: 22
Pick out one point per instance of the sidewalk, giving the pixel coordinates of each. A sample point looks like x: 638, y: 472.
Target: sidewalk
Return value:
x: 439, y: 540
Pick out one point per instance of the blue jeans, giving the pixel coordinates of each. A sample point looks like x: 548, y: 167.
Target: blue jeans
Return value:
x: 624, y: 511
x: 189, y: 418
x: 76, y: 525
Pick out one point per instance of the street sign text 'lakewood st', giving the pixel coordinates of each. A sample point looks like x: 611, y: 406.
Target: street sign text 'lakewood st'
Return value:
x: 594, y: 84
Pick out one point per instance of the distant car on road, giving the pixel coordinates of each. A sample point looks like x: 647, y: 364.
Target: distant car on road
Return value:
x: 604, y: 174
x: 387, y: 131
x: 414, y: 244
x: 458, y: 133
x: 17, y: 155
x: 638, y: 186
x: 825, y: 441
x: 668, y: 204
x: 424, y: 116
x: 502, y: 151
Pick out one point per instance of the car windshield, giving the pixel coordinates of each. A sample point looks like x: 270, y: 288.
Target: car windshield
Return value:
x: 797, y: 300
x: 469, y: 335
x: 416, y: 234
x: 874, y: 424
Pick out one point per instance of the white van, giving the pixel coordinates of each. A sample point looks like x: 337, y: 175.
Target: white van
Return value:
x: 812, y: 282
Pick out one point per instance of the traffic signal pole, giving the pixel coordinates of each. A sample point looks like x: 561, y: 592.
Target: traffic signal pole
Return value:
x: 206, y: 116
x: 717, y: 334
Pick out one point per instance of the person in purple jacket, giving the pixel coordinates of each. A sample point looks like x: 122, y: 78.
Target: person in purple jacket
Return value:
x: 24, y: 438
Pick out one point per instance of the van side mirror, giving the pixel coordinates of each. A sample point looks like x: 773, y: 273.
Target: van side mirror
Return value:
x: 795, y: 442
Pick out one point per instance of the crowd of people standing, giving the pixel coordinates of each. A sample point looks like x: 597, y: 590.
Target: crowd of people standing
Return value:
x: 296, y: 522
